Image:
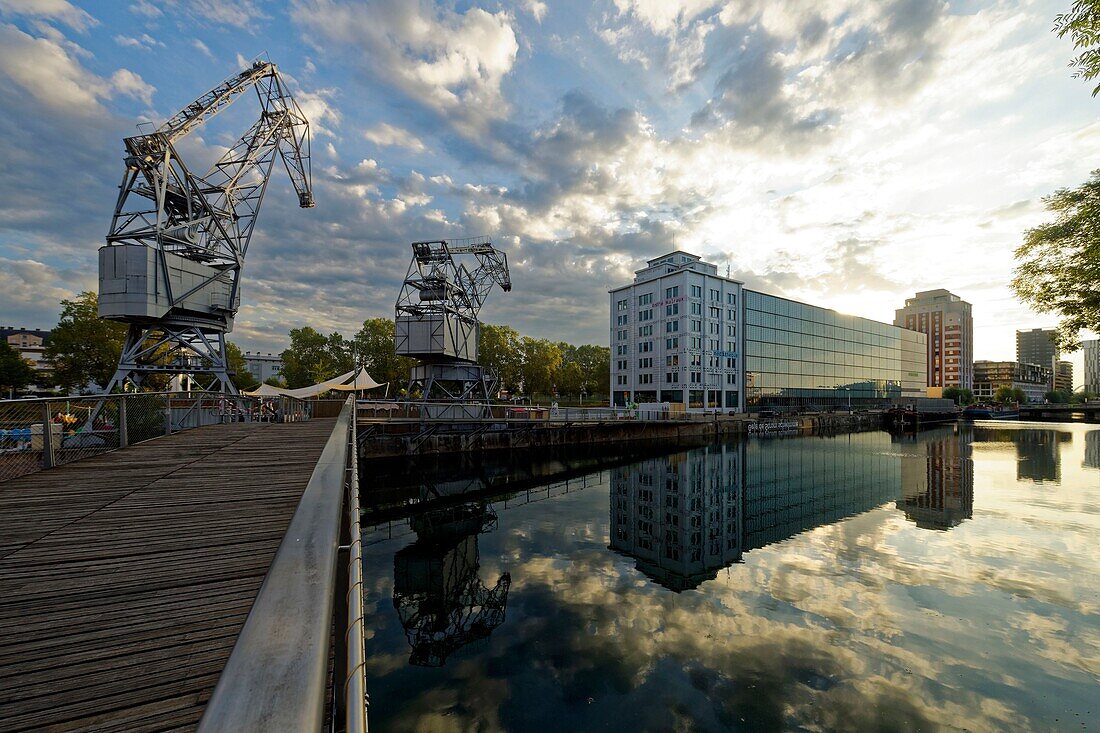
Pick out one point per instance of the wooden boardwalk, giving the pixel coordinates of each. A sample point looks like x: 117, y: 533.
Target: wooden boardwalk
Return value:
x: 125, y: 578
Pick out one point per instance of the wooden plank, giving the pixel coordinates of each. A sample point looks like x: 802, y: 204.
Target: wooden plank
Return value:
x: 126, y: 577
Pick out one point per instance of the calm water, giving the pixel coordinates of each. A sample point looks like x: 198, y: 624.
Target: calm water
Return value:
x: 946, y: 581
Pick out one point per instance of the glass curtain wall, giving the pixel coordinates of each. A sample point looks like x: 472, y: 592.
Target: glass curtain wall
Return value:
x: 806, y: 357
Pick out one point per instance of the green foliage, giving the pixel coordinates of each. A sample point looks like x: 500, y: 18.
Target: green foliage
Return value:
x: 275, y: 382
x: 83, y: 347
x: 1081, y: 397
x: 1005, y: 394
x: 1059, y: 262
x: 373, y: 349
x: 1058, y: 397
x: 242, y: 378
x: 960, y: 395
x: 499, y: 350
x: 313, y: 357
x: 15, y: 372
x: 1082, y: 25
x: 541, y: 359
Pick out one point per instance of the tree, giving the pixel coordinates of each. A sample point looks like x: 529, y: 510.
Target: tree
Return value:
x: 1082, y: 25
x: 541, y: 359
x: 83, y: 349
x: 313, y: 357
x: 275, y: 382
x: 242, y: 378
x: 373, y: 349
x: 499, y: 350
x: 569, y: 379
x: 960, y: 395
x: 1060, y: 262
x: 15, y: 372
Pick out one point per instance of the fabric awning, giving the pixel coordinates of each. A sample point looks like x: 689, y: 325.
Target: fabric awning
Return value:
x: 353, y: 381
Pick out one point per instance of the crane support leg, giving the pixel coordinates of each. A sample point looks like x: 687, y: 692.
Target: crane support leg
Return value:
x: 175, y: 349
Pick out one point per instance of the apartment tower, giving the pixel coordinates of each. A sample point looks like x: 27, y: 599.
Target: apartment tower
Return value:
x: 947, y: 321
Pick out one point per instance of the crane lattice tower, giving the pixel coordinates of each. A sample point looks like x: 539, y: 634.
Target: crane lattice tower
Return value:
x: 437, y: 323
x: 171, y: 268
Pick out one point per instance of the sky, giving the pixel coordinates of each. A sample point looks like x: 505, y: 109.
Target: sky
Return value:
x: 843, y: 153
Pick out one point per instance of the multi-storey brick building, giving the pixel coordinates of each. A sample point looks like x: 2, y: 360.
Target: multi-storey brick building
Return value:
x: 949, y: 324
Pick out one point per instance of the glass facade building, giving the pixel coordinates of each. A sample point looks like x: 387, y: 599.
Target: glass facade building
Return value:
x: 803, y: 356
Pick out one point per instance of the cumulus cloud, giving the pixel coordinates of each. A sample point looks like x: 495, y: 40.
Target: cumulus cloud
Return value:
x: 452, y: 62
x: 385, y: 134
x: 61, y: 11
x: 144, y: 42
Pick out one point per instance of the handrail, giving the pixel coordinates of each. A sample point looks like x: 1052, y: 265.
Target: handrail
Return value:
x: 276, y: 675
x: 355, y: 686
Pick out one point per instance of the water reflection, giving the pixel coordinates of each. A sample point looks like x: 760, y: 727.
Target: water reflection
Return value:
x: 442, y: 602
x: 767, y: 584
x: 938, y: 486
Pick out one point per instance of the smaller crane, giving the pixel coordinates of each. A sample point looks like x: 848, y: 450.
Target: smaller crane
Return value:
x: 437, y: 323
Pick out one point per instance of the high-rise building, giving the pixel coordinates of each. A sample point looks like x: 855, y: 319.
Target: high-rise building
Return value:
x: 682, y: 334
x: 1038, y: 346
x: 264, y: 366
x: 1063, y: 376
x: 1092, y: 366
x: 949, y: 324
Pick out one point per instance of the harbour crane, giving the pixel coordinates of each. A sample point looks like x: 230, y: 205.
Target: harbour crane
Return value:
x: 436, y: 322
x: 171, y: 268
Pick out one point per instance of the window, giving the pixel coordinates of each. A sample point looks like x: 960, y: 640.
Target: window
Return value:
x: 697, y: 291
x: 672, y: 327
x: 731, y: 330
x: 646, y: 315
x: 731, y: 378
x: 621, y: 305
x: 621, y: 380
x: 622, y: 320
x: 646, y: 363
x: 696, y: 309
x: 696, y: 342
x: 672, y: 292
x: 672, y: 309
x: 621, y: 335
x: 620, y: 350
x: 671, y: 378
x: 714, y: 328
x: 696, y: 360
x: 672, y: 343
x: 645, y: 379
x: 696, y: 377
x: 645, y: 331
x: 731, y: 346
x: 645, y: 347
x: 714, y: 312
x: 731, y: 314
x: 716, y: 295
x: 645, y: 299
x: 672, y: 360
x: 697, y: 326
x: 731, y: 298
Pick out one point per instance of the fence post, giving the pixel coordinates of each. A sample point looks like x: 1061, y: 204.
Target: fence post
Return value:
x: 123, y: 428
x: 48, y: 456
x: 167, y: 415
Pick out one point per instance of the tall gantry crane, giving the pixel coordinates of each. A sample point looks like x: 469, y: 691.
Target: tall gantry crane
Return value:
x: 171, y: 268
x: 436, y: 321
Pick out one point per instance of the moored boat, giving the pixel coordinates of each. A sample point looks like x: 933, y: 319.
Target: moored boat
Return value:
x: 991, y: 412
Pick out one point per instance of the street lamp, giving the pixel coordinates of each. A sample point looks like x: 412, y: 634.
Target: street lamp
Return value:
x: 840, y: 386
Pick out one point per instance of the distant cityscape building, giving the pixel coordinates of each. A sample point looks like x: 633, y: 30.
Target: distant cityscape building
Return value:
x: 1037, y: 346
x: 1032, y: 379
x: 1063, y: 377
x: 30, y: 343
x: 948, y: 322
x: 264, y: 366
x: 682, y: 334
x: 1092, y: 365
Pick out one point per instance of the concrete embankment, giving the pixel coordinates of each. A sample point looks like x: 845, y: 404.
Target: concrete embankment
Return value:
x: 382, y: 441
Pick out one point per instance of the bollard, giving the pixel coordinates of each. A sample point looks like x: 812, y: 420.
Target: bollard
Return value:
x: 123, y: 428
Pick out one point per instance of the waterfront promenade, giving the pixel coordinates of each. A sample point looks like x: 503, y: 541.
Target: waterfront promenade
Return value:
x: 126, y: 578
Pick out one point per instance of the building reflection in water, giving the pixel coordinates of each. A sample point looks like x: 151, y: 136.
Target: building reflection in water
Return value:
x: 684, y: 517
x: 1092, y: 449
x: 439, y: 596
x: 1038, y: 450
x: 937, y: 482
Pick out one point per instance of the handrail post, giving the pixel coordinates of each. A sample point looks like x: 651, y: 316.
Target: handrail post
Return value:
x: 123, y: 428
x: 48, y: 455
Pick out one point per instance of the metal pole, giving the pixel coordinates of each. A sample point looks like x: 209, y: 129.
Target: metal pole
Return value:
x: 48, y: 457
x: 123, y: 428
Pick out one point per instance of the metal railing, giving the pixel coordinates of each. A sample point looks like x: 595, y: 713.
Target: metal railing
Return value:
x: 275, y: 678
x: 51, y: 431
x: 392, y: 411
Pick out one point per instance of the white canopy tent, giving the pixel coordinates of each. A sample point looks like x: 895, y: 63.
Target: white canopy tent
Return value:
x: 354, y: 381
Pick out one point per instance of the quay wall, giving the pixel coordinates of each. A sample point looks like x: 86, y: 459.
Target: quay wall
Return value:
x: 457, y: 438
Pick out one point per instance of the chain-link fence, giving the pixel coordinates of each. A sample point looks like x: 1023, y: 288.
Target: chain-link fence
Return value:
x: 42, y: 433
